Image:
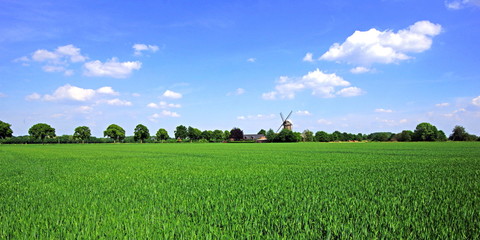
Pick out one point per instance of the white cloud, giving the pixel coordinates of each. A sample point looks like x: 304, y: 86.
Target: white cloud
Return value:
x: 350, y: 92
x: 252, y: 60
x: 324, y: 122
x: 73, y: 93
x: 57, y: 60
x: 238, y: 92
x: 118, y: 102
x: 143, y: 47
x: 442, y: 105
x: 374, y: 46
x: 172, y: 94
x: 163, y: 104
x: 33, y: 96
x: 164, y: 113
x: 459, y: 4
x: 381, y: 110
x: 111, y: 68
x: 476, y: 101
x: 308, y: 57
x: 454, y: 113
x: 303, y: 113
x: 84, y: 109
x: 107, y: 90
x: 321, y: 84
x: 360, y: 70
x: 257, y: 117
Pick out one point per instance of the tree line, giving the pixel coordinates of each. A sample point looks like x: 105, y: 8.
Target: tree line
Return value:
x: 44, y: 133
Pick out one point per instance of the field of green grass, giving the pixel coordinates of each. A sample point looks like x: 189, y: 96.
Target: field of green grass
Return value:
x: 241, y: 191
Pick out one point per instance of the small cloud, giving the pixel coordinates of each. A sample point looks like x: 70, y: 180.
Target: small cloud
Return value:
x: 324, y: 122
x: 252, y: 60
x: 164, y: 113
x: 257, y: 117
x: 136, y: 95
x: 303, y: 113
x: 442, y: 105
x: 118, y: 102
x: 308, y: 57
x: 238, y: 92
x: 33, y: 96
x: 139, y: 48
x: 111, y: 68
x: 172, y: 95
x: 476, y: 101
x: 163, y: 104
x: 57, y: 60
x: 107, y: 90
x: 84, y: 109
x: 360, y: 70
x: 269, y: 96
x: 460, y: 4
x: 350, y: 92
x: 381, y: 110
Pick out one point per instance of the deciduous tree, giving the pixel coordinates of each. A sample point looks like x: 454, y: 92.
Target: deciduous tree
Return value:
x: 41, y: 131
x: 162, y: 135
x: 181, y: 132
x: 114, y: 132
x: 236, y: 134
x: 141, y: 133
x: 5, y: 130
x: 82, y: 133
x: 425, y: 132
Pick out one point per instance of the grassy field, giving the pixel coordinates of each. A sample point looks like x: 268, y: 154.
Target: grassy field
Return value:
x: 241, y: 191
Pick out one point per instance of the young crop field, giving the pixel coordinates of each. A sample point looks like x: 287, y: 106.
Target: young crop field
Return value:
x: 241, y: 191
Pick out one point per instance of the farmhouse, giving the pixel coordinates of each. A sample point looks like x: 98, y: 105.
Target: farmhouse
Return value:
x: 257, y: 137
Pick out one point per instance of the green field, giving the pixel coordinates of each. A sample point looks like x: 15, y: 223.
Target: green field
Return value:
x: 241, y: 191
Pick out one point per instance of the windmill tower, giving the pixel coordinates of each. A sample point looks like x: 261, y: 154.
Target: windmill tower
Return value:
x: 286, y: 124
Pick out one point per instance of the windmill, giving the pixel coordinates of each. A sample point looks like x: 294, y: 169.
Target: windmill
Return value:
x: 286, y: 124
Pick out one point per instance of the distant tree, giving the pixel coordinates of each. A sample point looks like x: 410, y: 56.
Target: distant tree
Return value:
x: 5, y: 130
x: 181, y: 132
x: 359, y: 137
x: 404, y: 136
x: 207, y: 135
x: 458, y: 134
x: 270, y: 135
x: 381, y: 136
x: 441, y: 137
x: 236, y: 134
x: 226, y: 135
x: 288, y: 136
x: 425, y: 132
x: 41, y: 131
x: 472, y: 137
x: 308, y: 136
x: 82, y: 133
x: 336, y: 136
x: 162, y: 135
x: 114, y: 132
x: 141, y: 133
x: 194, y: 133
x: 322, y: 136
x: 262, y: 131
x: 218, y: 135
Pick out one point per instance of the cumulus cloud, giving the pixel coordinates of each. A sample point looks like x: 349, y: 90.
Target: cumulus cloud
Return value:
x: 163, y: 104
x: 308, y: 57
x: 139, y: 48
x: 319, y: 83
x: 459, y: 4
x: 374, y: 46
x: 117, y: 102
x: 442, y: 105
x: 111, y: 68
x: 476, y: 101
x: 172, y: 94
x: 57, y: 60
x: 252, y: 60
x: 72, y: 93
x: 381, y: 110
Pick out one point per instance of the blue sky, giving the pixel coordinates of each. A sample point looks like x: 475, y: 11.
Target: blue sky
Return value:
x: 338, y: 65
